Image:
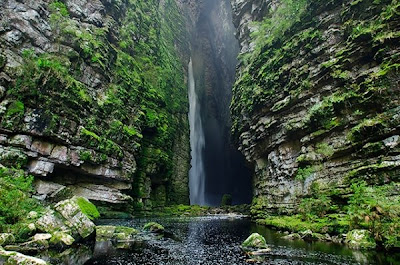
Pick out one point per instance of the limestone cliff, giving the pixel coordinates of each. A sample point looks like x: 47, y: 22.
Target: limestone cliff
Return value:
x: 93, y: 99
x: 316, y: 99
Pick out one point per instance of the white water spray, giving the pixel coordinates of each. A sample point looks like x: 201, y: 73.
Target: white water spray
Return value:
x: 196, y: 173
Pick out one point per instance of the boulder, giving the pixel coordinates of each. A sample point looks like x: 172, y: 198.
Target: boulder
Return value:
x: 69, y: 221
x: 12, y: 257
x: 154, y: 228
x: 60, y: 238
x: 294, y: 236
x: 308, y: 235
x: 255, y: 241
x: 77, y: 216
x: 119, y: 233
x: 360, y: 239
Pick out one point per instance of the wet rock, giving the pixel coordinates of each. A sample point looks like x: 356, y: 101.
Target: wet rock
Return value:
x: 255, y: 241
x: 154, y: 228
x: 294, y: 236
x: 119, y: 233
x: 337, y: 239
x: 308, y: 235
x: 38, y: 242
x: 360, y: 239
x: 60, y: 238
x: 12, y: 257
x: 6, y: 238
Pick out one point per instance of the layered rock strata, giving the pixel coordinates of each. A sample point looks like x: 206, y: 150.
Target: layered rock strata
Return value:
x: 315, y: 103
x: 93, y: 98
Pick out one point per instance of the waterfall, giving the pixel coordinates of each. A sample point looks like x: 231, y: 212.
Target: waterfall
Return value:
x: 196, y: 173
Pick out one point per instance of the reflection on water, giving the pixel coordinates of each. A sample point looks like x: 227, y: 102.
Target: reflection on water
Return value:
x: 216, y: 240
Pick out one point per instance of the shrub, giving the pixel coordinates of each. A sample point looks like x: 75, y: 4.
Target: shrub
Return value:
x: 378, y: 210
x: 15, y: 202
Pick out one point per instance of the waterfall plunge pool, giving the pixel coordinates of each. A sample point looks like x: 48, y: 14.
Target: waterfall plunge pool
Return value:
x: 216, y: 240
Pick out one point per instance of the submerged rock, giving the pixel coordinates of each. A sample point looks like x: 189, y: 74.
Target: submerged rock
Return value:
x: 309, y: 235
x: 12, y: 257
x: 255, y: 241
x: 120, y: 233
x: 294, y: 236
x: 120, y: 237
x: 154, y: 228
x: 360, y: 239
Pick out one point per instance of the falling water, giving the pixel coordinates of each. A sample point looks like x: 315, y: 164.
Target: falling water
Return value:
x: 196, y: 173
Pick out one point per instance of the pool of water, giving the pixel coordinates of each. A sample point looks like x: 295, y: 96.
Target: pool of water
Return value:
x: 217, y: 239
x: 212, y: 240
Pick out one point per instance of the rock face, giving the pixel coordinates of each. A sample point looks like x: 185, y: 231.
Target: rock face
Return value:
x: 93, y: 99
x: 315, y: 103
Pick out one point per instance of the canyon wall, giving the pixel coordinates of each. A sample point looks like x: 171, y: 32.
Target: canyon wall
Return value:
x: 93, y: 99
x: 316, y: 101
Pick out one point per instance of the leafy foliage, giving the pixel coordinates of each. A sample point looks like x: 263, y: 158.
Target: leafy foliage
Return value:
x: 15, y: 202
x: 378, y: 210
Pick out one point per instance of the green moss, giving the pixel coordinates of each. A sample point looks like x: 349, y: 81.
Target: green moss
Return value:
x: 367, y: 128
x: 303, y: 173
x: 85, y: 156
x: 333, y: 224
x: 325, y: 149
x: 142, y: 102
x: 256, y: 241
x: 14, y: 114
x: 154, y: 227
x: 88, y: 208
x: 59, y: 7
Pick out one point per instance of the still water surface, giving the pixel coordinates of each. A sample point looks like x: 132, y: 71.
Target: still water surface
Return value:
x: 216, y: 240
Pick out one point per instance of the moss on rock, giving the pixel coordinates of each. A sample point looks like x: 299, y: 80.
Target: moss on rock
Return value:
x: 254, y: 241
x: 154, y: 227
x: 360, y: 239
x: 88, y: 208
